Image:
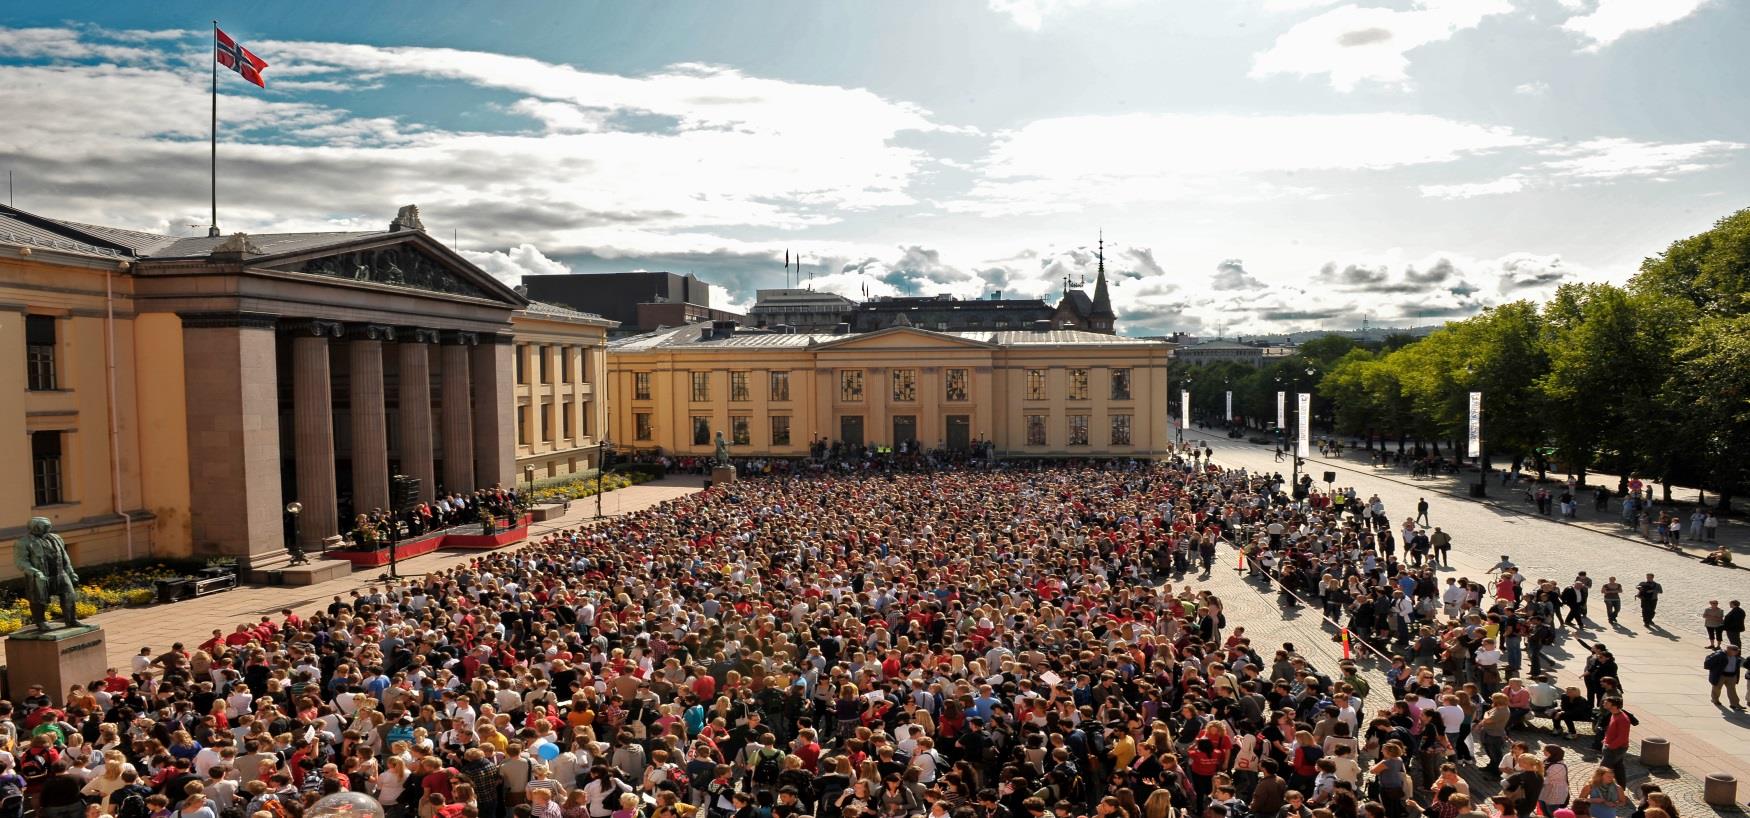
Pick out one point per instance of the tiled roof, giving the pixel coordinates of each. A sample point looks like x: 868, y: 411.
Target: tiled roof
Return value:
x: 270, y: 244
x: 561, y: 311
x: 21, y: 233
x: 688, y: 337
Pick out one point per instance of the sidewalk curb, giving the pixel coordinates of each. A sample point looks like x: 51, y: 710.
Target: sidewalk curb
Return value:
x: 1510, y: 507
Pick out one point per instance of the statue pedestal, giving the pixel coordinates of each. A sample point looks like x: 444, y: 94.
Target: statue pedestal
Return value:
x: 56, y: 658
x: 722, y: 475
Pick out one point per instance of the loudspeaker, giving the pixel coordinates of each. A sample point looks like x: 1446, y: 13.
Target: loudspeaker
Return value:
x: 1330, y: 477
x: 403, y: 492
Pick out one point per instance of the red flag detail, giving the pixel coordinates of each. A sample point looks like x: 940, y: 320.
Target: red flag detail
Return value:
x: 237, y: 58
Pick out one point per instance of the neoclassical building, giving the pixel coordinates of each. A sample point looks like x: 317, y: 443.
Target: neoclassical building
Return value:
x: 175, y: 394
x: 1038, y: 392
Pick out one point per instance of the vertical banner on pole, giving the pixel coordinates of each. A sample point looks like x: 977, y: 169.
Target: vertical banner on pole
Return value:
x: 1282, y: 412
x: 1476, y: 424
x: 1184, y: 408
x: 1230, y: 406
x: 1303, y: 445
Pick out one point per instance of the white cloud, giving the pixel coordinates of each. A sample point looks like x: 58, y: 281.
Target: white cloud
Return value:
x: 1616, y: 158
x: 1512, y: 183
x: 1031, y: 14
x: 63, y: 44
x: 1353, y: 44
x: 1531, y: 89
x: 1065, y: 163
x: 1609, y: 20
x: 511, y: 265
x: 1282, y: 6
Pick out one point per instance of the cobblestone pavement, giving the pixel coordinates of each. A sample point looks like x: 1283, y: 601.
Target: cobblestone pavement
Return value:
x: 192, y: 621
x: 1661, y: 667
x: 1734, y: 533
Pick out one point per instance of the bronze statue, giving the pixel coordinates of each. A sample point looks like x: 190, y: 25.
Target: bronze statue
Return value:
x: 48, y: 572
x: 721, y: 456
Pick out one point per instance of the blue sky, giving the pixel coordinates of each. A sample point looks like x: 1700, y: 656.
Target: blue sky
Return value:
x: 1257, y: 165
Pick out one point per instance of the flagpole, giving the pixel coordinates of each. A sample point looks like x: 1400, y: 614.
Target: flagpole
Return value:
x: 213, y: 229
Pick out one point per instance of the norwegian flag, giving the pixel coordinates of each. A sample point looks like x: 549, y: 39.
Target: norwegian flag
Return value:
x: 237, y: 58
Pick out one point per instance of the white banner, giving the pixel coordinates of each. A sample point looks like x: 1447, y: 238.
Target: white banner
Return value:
x: 1476, y: 424
x: 1184, y: 408
x: 1303, y: 447
x: 1282, y: 413
x: 1230, y: 407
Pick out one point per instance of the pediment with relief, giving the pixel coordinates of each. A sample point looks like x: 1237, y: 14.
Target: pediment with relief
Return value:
x: 399, y: 265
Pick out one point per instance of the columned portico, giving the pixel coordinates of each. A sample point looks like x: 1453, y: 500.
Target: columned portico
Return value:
x: 370, y: 434
x: 458, y: 411
x: 313, y: 431
x: 494, y: 407
x: 414, y: 401
x: 233, y: 433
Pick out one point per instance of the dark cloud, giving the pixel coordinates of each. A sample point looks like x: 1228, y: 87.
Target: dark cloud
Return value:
x: 1363, y: 36
x: 1440, y: 271
x: 1306, y: 314
x: 1436, y: 311
x: 1142, y: 263
x: 1231, y: 275
x: 1525, y: 272
x: 1354, y: 276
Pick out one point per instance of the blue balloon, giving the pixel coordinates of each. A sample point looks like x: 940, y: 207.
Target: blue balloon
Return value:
x: 547, y: 751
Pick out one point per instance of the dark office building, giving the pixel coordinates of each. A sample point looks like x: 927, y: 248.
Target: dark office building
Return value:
x: 639, y: 301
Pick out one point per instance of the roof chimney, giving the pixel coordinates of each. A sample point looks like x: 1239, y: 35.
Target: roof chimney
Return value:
x: 407, y: 219
x: 722, y: 329
x: 1042, y: 325
x: 841, y: 328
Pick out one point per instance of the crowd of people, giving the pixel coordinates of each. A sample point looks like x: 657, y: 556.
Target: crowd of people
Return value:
x: 490, y: 507
x: 981, y: 640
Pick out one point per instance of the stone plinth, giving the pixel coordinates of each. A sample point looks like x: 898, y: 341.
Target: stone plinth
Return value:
x: 547, y: 511
x: 56, y: 658
x: 722, y: 475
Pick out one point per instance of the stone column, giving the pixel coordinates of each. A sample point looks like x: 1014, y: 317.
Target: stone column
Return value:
x: 494, y: 373
x: 415, y: 410
x: 313, y: 432
x: 370, y: 434
x: 458, y: 412
x: 232, y: 390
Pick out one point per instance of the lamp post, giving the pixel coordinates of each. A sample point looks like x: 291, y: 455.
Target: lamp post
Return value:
x: 604, y: 450
x: 296, y: 548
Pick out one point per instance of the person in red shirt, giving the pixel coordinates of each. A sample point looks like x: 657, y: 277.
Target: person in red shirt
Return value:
x: 242, y: 636
x: 1616, y: 738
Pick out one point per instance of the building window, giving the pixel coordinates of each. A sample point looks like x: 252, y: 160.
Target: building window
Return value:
x: 641, y: 426
x: 1078, y: 430
x: 1078, y: 384
x: 1036, y: 430
x: 738, y: 386
x: 522, y: 425
x: 570, y: 424
x: 45, y: 457
x: 850, y: 384
x: 39, y: 355
x: 738, y: 430
x: 1035, y: 384
x: 956, y: 385
x: 641, y: 386
x: 1121, y: 384
x: 941, y: 326
x: 1121, y: 430
x: 780, y: 430
x: 905, y: 385
x: 701, y: 431
x: 780, y: 386
x: 701, y: 387
x: 546, y: 354
x: 547, y: 422
x: 565, y: 365
x: 522, y: 370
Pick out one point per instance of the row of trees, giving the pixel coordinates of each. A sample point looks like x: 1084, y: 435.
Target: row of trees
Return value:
x: 1652, y: 378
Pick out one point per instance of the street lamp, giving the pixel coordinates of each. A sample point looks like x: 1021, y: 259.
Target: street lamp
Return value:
x: 296, y: 548
x: 604, y: 450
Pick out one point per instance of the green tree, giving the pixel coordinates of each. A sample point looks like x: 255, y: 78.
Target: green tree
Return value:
x: 1711, y: 382
x: 1710, y: 270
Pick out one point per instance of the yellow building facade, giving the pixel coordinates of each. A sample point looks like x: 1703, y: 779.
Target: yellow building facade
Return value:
x: 560, y: 356
x: 178, y: 396
x: 1029, y: 393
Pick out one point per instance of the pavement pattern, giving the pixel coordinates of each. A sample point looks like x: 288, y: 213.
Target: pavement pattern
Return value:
x: 1661, y: 668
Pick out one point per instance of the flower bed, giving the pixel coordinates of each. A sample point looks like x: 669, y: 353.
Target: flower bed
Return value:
x: 576, y: 487
x: 102, y: 588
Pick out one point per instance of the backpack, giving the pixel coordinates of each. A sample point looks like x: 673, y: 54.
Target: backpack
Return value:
x: 12, y: 800
x: 767, y: 766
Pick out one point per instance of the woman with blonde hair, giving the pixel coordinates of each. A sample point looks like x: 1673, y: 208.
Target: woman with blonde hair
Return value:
x: 107, y: 781
x: 1159, y: 805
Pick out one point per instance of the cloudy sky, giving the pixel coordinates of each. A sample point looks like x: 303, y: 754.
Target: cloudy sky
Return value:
x: 1256, y: 165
